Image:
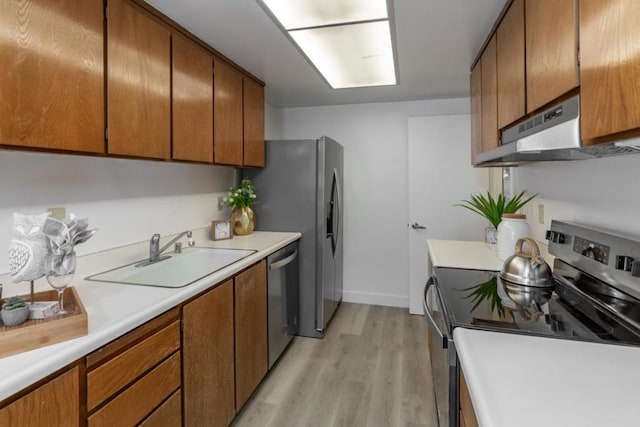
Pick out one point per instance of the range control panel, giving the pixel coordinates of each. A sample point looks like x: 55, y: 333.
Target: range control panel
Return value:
x: 593, y: 250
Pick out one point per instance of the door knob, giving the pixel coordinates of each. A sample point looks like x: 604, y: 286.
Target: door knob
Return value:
x: 417, y: 226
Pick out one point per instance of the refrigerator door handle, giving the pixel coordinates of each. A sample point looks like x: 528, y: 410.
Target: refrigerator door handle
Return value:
x: 338, y: 208
x: 333, y: 218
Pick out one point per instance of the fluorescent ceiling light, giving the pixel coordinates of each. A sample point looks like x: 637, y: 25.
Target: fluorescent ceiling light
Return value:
x: 314, y: 13
x: 350, y: 55
x: 348, y: 41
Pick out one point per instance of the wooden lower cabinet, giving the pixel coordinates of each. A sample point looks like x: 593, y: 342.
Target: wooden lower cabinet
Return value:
x: 169, y: 414
x: 133, y: 377
x: 250, y: 330
x: 56, y: 403
x: 196, y: 370
x: 208, y: 358
x: 467, y: 414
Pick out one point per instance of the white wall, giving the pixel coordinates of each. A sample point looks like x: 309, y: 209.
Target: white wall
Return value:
x: 128, y: 200
x: 599, y: 192
x: 272, y: 122
x: 375, y: 138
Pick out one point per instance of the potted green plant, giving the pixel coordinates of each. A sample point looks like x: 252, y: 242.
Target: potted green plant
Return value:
x: 14, y: 311
x: 493, y: 208
x: 241, y: 199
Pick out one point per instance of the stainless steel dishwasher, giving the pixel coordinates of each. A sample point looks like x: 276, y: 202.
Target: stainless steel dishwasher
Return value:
x: 282, y: 299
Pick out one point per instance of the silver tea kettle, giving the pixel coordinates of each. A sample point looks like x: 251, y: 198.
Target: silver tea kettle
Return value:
x: 527, y: 268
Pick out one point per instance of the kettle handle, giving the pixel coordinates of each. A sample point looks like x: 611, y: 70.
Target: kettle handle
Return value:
x: 534, y: 252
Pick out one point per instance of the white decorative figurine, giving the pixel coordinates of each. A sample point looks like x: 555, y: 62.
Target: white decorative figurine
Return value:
x: 29, y: 247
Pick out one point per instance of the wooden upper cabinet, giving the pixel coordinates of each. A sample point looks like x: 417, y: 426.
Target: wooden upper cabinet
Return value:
x: 192, y: 101
x: 609, y: 67
x: 52, y: 74
x: 253, y: 100
x: 208, y: 358
x: 476, y: 111
x: 56, y: 403
x: 511, y: 68
x: 489, y: 91
x: 139, y: 83
x: 552, y: 50
x: 227, y: 113
x: 250, y: 330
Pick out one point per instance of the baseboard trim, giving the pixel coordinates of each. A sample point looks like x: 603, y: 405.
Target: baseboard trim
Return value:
x: 375, y: 299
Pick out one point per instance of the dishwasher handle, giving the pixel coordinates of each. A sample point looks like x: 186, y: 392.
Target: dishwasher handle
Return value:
x: 427, y: 315
x: 284, y: 261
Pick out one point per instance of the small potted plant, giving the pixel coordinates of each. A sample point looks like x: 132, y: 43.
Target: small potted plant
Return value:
x: 241, y: 199
x: 14, y: 311
x: 493, y: 208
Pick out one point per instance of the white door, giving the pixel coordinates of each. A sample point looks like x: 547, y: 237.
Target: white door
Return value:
x: 440, y: 175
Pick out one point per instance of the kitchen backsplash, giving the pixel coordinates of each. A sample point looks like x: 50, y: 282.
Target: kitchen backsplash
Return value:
x: 127, y: 200
x: 597, y: 192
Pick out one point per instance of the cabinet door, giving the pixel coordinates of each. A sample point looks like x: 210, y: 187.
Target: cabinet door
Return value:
x: 489, y: 102
x: 251, y: 330
x: 467, y: 414
x: 56, y: 403
x: 609, y: 67
x: 207, y: 351
x: 52, y: 74
x: 139, y: 83
x: 510, y: 57
x: 192, y: 101
x: 552, y: 50
x: 476, y: 111
x: 253, y: 99
x: 227, y: 114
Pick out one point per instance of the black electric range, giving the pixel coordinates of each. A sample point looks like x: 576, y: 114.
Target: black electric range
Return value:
x: 572, y: 309
x: 595, y: 297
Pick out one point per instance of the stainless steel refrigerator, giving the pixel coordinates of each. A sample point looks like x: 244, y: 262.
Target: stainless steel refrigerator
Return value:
x: 300, y: 189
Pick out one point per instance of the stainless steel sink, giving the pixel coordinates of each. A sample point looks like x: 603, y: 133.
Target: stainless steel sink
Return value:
x: 175, y: 272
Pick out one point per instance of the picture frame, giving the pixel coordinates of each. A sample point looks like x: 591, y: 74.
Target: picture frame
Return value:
x: 221, y: 229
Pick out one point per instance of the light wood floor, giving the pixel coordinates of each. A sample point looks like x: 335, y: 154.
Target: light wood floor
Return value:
x: 371, y: 369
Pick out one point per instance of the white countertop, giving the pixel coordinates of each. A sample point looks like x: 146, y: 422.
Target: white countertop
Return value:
x: 115, y: 309
x: 527, y: 381
x: 463, y: 254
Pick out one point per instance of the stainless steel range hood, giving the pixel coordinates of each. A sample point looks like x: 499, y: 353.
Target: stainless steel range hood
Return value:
x: 551, y: 136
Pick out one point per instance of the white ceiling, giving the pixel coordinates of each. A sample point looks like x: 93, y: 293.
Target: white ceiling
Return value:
x: 436, y: 42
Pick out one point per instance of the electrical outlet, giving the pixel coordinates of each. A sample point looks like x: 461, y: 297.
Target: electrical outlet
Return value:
x: 57, y: 213
x: 540, y: 213
x: 220, y: 203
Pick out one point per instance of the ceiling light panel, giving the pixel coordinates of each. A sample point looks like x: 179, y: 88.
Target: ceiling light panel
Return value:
x: 355, y: 55
x: 314, y: 13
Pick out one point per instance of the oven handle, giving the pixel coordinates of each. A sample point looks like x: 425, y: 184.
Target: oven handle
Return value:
x: 427, y: 315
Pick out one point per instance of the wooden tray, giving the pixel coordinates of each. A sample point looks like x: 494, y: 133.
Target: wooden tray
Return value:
x: 39, y: 333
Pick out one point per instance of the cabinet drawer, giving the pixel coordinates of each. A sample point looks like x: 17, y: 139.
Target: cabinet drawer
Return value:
x: 169, y: 414
x: 139, y: 400
x: 117, y: 373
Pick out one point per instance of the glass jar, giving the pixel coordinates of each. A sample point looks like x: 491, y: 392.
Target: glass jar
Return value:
x: 511, y: 228
x: 491, y: 238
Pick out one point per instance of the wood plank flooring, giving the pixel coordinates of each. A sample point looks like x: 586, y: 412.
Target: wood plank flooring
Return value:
x: 371, y: 369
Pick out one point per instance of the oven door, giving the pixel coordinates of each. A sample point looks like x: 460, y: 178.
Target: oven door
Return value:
x: 443, y: 357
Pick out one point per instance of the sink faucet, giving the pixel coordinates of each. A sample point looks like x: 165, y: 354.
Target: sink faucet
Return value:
x: 155, y: 251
